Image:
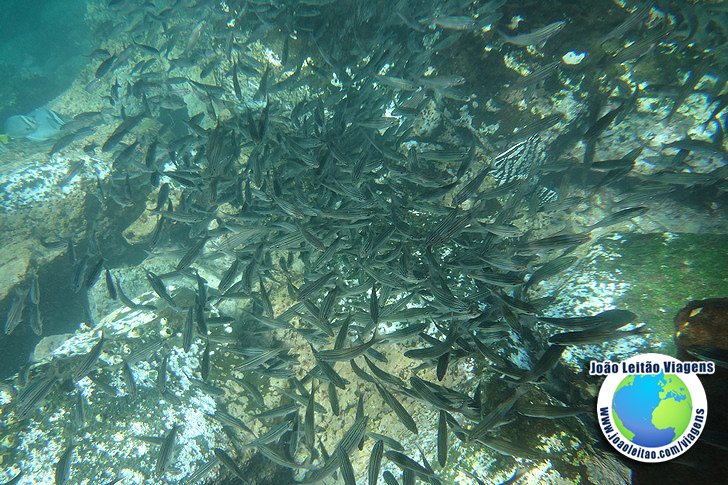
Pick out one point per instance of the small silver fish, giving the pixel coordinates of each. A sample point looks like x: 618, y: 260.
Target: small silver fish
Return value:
x: 538, y: 36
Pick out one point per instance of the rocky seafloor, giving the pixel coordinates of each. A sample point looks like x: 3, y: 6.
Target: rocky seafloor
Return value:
x: 39, y: 201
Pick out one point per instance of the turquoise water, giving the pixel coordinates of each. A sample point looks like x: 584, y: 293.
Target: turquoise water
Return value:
x: 261, y: 242
x: 42, y: 48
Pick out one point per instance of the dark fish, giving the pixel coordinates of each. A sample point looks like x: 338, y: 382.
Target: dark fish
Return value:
x: 405, y: 333
x: 205, y: 362
x: 545, y: 363
x: 63, y: 467
x: 236, y: 83
x: 693, y: 79
x: 398, y: 409
x: 327, y: 306
x: 603, y: 123
x: 166, y: 451
x: 262, y: 92
x: 274, y: 434
x: 162, y: 374
x: 387, y: 440
x: 152, y: 440
x: 311, y: 287
x: 406, y: 463
x: 188, y: 331
x: 715, y: 354
x: 195, y: 35
x: 594, y: 336
x: 15, y: 312
x: 351, y: 439
x: 470, y: 188
x: 95, y: 273
x: 230, y: 420
x: 102, y: 386
x: 347, y: 470
x: 348, y: 353
x: 538, y: 36
x: 57, y: 245
x: 442, y: 448
x: 295, y: 434
x: 308, y: 421
x: 121, y: 130
x: 34, y: 319
x: 128, y: 375
x: 433, y: 479
x: 311, y: 238
x: 110, y: 286
x: 77, y: 278
x: 33, y: 394
x: 397, y: 82
x: 202, y: 472
x: 267, y: 305
x: 620, y: 216
x: 15, y: 479
x: 269, y: 322
x: 150, y: 158
x: 553, y: 242
x: 359, y: 372
x: 146, y: 48
x: 128, y: 302
x: 257, y: 360
x: 389, y: 478
x: 634, y: 19
x: 276, y: 412
x: 552, y: 412
x: 228, y: 278
x: 495, y: 416
x: 611, y: 319
x: 230, y: 464
x: 62, y: 143
x: 549, y: 269
x: 201, y: 290
x: 334, y: 399
x: 144, y: 352
x: 89, y: 361
x: 105, y: 66
x: 374, y: 305
x: 454, y: 22
x: 710, y: 148
x: 278, y: 459
x: 159, y: 288
x: 375, y: 462
x: 536, y: 76
x: 509, y: 448
x: 624, y: 163
x: 192, y: 254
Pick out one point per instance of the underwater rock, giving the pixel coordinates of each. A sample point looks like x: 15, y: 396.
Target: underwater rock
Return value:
x: 139, y: 231
x: 702, y: 332
x: 703, y: 322
x: 14, y: 259
x: 47, y: 345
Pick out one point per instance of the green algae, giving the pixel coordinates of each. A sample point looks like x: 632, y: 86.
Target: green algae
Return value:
x: 666, y: 271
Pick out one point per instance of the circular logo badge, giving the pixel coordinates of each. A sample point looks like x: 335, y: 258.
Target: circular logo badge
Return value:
x: 651, y: 408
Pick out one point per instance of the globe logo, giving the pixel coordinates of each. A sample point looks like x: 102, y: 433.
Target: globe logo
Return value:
x: 652, y: 410
x: 651, y: 407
